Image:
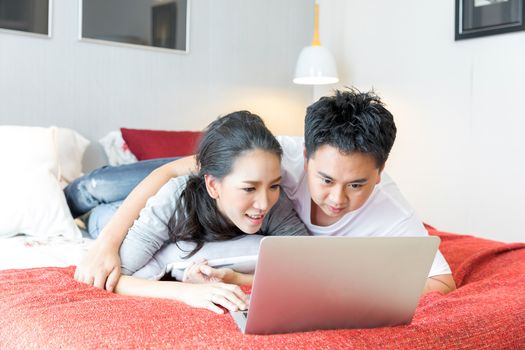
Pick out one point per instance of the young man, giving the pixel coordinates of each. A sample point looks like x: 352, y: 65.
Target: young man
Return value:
x: 336, y: 183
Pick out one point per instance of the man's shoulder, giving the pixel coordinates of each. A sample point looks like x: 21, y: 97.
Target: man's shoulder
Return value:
x: 292, y: 164
x: 388, y: 196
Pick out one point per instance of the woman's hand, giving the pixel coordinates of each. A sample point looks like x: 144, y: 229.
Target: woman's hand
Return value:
x: 203, y: 273
x: 209, y: 296
x: 100, y: 267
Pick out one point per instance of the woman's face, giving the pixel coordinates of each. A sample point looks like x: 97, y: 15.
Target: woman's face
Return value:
x: 248, y: 193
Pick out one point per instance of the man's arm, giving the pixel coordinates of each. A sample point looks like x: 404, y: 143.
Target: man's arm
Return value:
x: 440, y: 283
x: 100, y: 266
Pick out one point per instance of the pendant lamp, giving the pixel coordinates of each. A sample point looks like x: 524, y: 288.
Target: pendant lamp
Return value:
x: 316, y: 64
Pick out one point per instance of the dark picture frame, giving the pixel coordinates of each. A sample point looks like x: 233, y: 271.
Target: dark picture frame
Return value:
x: 163, y: 28
x: 151, y: 24
x: 477, y: 18
x: 26, y: 16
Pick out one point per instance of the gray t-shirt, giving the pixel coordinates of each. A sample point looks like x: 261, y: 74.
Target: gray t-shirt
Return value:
x: 146, y: 250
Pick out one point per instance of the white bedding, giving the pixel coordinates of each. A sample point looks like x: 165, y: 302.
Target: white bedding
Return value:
x: 21, y: 252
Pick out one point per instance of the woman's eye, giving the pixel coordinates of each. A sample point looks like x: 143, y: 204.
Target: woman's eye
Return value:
x: 248, y: 189
x: 275, y: 187
x: 356, y: 185
x: 326, y: 181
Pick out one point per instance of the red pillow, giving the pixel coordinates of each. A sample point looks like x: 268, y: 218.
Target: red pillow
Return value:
x: 150, y: 144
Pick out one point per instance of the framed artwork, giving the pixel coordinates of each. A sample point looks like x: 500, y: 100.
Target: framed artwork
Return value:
x: 152, y: 24
x: 163, y: 25
x: 476, y: 18
x: 26, y: 16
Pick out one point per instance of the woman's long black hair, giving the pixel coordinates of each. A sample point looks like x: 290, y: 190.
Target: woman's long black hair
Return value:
x: 196, y: 217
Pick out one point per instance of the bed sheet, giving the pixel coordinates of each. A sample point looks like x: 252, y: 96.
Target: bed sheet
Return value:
x: 22, y: 252
x: 45, y: 308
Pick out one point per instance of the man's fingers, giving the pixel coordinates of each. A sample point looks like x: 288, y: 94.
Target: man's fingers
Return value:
x: 112, y: 280
x: 88, y: 280
x: 100, y: 279
x: 76, y: 276
x: 206, y: 270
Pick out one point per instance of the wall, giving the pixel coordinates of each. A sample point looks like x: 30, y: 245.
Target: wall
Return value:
x: 459, y: 156
x: 242, y: 56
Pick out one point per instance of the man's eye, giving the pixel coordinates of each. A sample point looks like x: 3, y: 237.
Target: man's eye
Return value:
x: 275, y: 187
x: 356, y: 185
x: 248, y: 189
x: 326, y: 181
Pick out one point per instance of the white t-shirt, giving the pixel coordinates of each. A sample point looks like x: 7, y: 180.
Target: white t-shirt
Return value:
x: 385, y: 213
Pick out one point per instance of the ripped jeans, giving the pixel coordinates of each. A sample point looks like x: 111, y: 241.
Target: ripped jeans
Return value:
x: 102, y: 191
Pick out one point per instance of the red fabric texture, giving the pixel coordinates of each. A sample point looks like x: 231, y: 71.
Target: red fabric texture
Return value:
x: 151, y: 144
x: 45, y: 308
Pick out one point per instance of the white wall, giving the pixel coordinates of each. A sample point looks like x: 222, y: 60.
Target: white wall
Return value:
x: 460, y: 155
x: 242, y: 56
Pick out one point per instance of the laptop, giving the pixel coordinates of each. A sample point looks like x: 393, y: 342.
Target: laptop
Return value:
x: 310, y: 283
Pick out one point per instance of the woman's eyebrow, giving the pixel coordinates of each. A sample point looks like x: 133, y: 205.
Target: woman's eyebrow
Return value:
x: 258, y: 182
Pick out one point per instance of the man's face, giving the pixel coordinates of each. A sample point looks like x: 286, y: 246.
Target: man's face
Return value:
x: 339, y: 183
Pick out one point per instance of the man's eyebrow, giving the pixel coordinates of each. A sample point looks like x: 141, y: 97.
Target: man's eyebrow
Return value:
x: 326, y: 176
x: 356, y: 181
x: 258, y: 182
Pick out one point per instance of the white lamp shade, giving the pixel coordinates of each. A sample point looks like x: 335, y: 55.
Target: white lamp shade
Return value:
x: 315, y: 66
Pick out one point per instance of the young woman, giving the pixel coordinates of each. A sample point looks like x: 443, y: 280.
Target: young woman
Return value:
x: 233, y: 194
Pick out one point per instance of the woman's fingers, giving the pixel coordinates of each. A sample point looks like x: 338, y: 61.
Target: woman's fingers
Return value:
x: 223, y: 301
x: 212, y: 307
x: 237, y: 291
x: 232, y: 294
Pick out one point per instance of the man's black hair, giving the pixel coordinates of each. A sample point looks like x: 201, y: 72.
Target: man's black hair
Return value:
x: 350, y: 121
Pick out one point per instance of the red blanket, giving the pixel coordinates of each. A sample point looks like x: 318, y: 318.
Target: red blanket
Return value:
x: 45, y: 308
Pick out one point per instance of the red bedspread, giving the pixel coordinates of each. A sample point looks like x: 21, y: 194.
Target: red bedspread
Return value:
x: 45, y: 308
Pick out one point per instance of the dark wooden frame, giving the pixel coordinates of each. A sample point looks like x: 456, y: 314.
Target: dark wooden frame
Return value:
x: 466, y: 7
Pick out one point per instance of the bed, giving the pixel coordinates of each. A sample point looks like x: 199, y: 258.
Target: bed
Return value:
x: 46, y: 308
x: 43, y: 307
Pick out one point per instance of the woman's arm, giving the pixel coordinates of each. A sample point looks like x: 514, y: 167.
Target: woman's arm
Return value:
x: 100, y: 266
x: 206, y: 296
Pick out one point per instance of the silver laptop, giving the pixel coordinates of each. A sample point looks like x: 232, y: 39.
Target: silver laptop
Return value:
x: 309, y: 283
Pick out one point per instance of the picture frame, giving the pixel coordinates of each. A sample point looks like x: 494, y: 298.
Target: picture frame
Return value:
x: 160, y: 25
x: 477, y: 18
x: 163, y: 25
x: 26, y: 17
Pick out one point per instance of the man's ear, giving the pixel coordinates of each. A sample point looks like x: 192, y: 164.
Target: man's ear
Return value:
x: 305, y: 159
x: 211, y: 186
x: 380, y: 171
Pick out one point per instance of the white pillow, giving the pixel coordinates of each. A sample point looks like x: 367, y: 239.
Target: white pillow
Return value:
x: 31, y: 199
x: 116, y: 149
x: 71, y: 147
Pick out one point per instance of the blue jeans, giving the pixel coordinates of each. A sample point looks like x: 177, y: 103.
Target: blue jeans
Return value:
x: 103, y: 190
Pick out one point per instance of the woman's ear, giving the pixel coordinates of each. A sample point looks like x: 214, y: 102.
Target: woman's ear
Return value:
x: 212, y: 186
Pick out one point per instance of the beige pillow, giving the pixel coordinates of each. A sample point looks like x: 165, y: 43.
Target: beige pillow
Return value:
x: 31, y: 200
x: 71, y: 147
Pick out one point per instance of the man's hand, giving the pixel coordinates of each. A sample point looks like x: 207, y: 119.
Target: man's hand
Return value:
x: 100, y: 267
x: 203, y: 273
